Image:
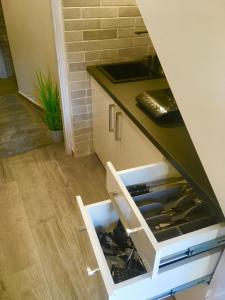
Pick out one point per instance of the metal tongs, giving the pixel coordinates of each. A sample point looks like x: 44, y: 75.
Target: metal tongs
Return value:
x: 173, y: 218
x: 157, y: 208
x: 155, y: 186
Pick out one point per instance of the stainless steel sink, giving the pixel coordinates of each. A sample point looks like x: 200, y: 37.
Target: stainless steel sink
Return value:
x: 132, y: 71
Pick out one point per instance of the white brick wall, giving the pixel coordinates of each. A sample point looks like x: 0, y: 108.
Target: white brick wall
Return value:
x: 97, y: 31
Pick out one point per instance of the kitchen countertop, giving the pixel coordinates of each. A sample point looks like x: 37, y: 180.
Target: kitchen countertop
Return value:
x: 172, y: 139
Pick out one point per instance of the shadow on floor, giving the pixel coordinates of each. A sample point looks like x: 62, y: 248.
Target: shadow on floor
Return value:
x: 21, y: 126
x: 8, y: 86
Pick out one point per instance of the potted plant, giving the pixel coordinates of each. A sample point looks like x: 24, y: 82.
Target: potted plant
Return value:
x: 50, y: 100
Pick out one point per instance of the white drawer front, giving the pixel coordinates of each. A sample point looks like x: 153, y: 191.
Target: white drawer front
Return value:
x: 142, y: 287
x: 151, y: 251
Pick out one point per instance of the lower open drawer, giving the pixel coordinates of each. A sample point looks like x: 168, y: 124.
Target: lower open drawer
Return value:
x: 154, y: 251
x: 170, y: 278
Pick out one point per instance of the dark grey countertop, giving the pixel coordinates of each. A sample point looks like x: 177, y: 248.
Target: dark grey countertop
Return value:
x: 172, y: 139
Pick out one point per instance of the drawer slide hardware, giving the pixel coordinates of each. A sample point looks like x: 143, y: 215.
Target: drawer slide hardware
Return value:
x: 92, y: 272
x: 191, y: 251
x: 179, y: 289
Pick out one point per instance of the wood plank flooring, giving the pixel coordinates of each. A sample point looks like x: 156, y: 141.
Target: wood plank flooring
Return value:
x: 43, y: 253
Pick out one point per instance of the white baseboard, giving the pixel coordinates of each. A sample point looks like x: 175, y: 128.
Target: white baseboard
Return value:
x: 30, y: 99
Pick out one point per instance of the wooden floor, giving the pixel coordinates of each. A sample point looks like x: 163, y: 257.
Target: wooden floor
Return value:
x: 42, y: 252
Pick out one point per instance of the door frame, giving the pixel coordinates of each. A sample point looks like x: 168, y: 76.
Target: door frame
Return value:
x: 58, y: 30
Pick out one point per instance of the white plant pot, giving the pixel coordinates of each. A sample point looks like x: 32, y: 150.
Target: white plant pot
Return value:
x: 57, y: 136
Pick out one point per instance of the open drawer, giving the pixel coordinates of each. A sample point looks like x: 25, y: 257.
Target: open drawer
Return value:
x: 170, y: 279
x: 154, y: 253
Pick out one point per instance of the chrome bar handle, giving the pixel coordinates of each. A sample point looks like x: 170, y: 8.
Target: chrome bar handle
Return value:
x: 111, y: 117
x: 92, y: 272
x: 129, y: 231
x: 118, y: 132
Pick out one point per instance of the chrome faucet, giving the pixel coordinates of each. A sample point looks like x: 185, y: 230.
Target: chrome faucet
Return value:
x: 152, y: 62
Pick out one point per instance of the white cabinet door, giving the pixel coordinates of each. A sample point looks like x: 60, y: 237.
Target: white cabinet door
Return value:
x: 116, y: 138
x: 103, y: 108
x: 136, y: 149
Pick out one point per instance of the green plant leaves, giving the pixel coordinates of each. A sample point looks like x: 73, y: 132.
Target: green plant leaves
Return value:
x: 50, y: 99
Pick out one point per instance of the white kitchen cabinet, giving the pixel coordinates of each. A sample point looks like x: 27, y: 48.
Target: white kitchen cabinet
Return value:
x: 103, y: 110
x: 136, y: 149
x: 173, y: 264
x: 116, y: 138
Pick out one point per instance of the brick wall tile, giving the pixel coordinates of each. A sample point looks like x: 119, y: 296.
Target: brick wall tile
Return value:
x: 72, y: 13
x: 78, y: 76
x: 82, y: 24
x: 100, y: 55
x: 93, y: 55
x: 76, y: 110
x: 81, y: 3
x: 82, y: 138
x: 82, y: 117
x: 117, y: 22
x: 108, y: 44
x: 86, y: 130
x: 83, y: 46
x: 139, y: 22
x: 118, y: 2
x: 100, y: 34
x: 109, y: 54
x: 81, y: 124
x: 75, y: 67
x: 81, y: 101
x: 75, y: 57
x: 133, y: 52
x: 79, y: 85
x: 89, y: 92
x: 89, y: 108
x: 73, y: 36
x: 78, y: 94
x: 142, y: 41
x: 126, y: 32
x: 82, y: 145
x: 102, y: 12
x: 128, y: 12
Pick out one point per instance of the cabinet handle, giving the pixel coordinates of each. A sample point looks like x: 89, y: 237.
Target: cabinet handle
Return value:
x: 118, y: 132
x: 130, y: 231
x: 111, y: 117
x: 92, y: 272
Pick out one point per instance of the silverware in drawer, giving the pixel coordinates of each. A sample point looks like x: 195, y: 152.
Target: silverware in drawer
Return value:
x: 175, y: 231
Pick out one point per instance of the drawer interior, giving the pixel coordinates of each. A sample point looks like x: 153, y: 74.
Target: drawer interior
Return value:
x: 169, y: 205
x: 122, y: 258
x: 102, y: 216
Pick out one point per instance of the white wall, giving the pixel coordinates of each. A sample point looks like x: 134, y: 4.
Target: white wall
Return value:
x: 189, y: 37
x: 30, y: 33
